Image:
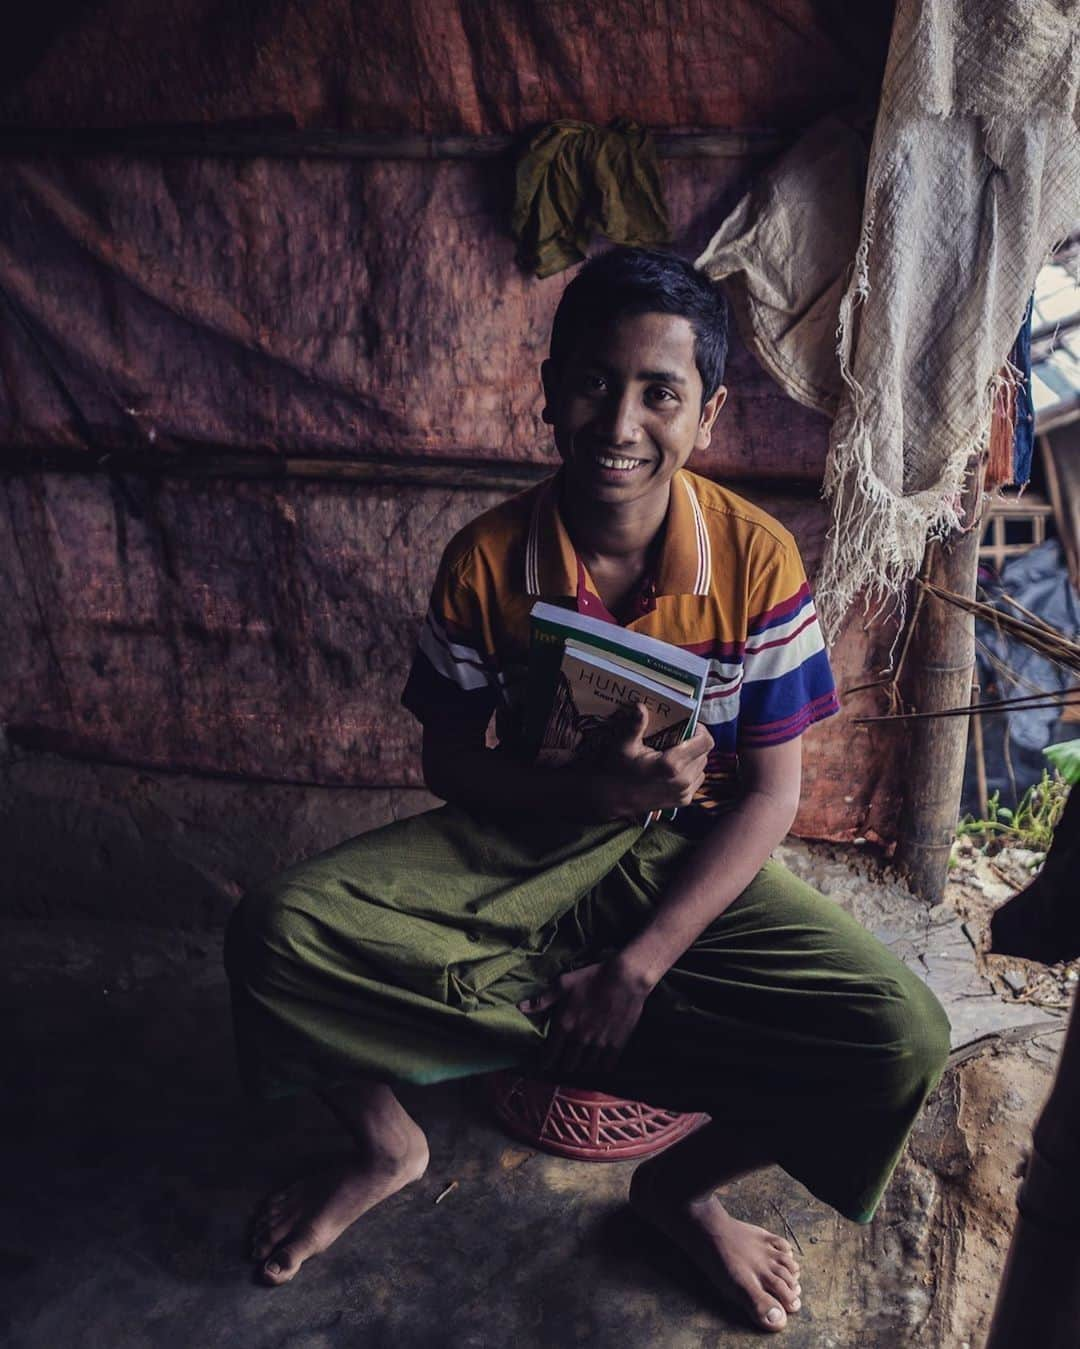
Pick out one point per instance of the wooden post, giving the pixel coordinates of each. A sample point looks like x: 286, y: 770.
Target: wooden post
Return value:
x: 942, y: 656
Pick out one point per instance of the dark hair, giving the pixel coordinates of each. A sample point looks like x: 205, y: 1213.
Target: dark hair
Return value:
x: 627, y: 281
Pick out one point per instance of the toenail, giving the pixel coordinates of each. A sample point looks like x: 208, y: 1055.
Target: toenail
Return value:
x: 773, y: 1315
x: 273, y: 1267
x: 796, y: 1304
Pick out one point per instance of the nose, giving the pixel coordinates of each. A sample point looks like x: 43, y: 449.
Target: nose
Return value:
x: 618, y: 422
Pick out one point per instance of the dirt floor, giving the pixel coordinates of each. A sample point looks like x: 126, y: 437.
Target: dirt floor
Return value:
x: 137, y: 1162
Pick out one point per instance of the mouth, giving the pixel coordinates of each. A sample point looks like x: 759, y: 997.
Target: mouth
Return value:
x: 618, y: 464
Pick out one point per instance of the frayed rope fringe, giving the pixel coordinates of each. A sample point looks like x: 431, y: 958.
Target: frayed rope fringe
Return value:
x: 878, y: 536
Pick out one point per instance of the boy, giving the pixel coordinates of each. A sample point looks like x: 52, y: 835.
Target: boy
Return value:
x: 532, y: 917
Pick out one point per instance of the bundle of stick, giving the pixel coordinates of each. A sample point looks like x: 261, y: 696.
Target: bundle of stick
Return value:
x: 1029, y: 629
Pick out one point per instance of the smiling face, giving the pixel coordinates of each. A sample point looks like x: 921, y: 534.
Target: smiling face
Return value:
x: 626, y: 408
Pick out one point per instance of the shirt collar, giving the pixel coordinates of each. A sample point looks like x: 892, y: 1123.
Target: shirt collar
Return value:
x: 685, y: 562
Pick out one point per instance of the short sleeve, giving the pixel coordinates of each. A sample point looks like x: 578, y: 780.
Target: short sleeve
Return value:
x: 452, y: 678
x: 787, y: 681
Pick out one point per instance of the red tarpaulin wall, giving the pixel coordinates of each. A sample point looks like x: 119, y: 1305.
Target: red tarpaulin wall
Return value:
x: 268, y: 313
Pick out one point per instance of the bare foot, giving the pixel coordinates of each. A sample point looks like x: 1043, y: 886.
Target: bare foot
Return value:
x: 748, y: 1266
x: 305, y: 1218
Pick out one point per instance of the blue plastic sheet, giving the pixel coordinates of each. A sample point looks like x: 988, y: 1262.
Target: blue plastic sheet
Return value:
x: 1039, y: 580
x: 1024, y: 432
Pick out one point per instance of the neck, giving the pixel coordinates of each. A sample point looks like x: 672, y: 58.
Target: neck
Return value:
x: 615, y: 530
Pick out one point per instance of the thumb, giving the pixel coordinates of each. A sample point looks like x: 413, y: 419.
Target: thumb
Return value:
x: 635, y: 719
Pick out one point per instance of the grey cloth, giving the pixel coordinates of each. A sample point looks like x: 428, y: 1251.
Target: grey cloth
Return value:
x: 895, y: 308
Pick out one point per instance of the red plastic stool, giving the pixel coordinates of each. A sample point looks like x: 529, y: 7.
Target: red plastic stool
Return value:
x: 587, y: 1126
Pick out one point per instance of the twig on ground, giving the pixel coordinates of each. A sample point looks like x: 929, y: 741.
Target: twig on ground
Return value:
x: 790, y: 1230
x: 449, y: 1190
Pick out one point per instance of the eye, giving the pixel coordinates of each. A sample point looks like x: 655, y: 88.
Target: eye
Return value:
x: 659, y: 394
x: 593, y: 383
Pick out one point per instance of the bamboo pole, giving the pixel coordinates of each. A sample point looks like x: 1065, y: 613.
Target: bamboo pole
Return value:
x: 464, y: 467
x: 942, y: 657
x: 476, y: 474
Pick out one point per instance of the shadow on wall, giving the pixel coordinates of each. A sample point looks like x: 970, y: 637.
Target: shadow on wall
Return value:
x: 93, y: 841
x: 27, y: 41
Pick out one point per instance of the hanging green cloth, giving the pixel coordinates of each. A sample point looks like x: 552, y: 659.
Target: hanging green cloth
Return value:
x: 576, y: 180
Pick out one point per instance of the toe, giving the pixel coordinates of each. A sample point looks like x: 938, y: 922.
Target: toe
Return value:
x: 785, y: 1275
x: 779, y: 1289
x: 767, y: 1305
x: 788, y: 1261
x: 270, y: 1234
x: 287, y: 1258
x: 770, y: 1313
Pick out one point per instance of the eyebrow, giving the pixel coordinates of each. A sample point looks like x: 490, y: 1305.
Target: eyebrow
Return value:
x: 651, y: 376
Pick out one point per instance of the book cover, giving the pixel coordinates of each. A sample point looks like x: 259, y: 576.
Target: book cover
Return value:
x: 588, y: 692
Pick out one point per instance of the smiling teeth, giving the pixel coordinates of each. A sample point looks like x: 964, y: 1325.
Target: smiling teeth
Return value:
x: 606, y: 462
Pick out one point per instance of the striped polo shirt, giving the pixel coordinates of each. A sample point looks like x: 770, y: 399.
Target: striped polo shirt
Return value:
x: 728, y: 585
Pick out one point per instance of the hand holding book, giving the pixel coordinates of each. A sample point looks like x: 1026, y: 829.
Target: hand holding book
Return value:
x: 621, y: 708
x: 632, y: 780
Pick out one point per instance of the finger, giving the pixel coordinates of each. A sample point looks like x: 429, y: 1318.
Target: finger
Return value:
x: 572, y: 1055
x: 540, y: 1002
x: 609, y: 1059
x: 692, y: 779
x: 553, y: 1052
x: 703, y: 736
x: 567, y: 980
x: 704, y: 747
x: 697, y: 761
x: 680, y: 757
x: 592, y: 1059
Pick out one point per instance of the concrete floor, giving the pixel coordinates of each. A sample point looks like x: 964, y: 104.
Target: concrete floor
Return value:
x: 133, y: 1162
x: 136, y: 1162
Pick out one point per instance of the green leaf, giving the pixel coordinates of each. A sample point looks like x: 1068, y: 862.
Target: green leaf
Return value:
x: 1066, y: 759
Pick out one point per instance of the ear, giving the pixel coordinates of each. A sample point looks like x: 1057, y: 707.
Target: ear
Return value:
x: 708, y: 417
x: 550, y: 380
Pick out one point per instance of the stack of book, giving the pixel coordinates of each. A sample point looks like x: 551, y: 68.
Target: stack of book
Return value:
x: 583, y: 671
